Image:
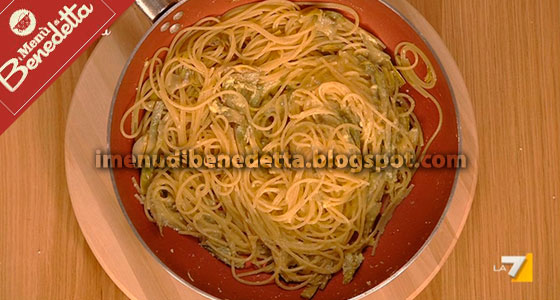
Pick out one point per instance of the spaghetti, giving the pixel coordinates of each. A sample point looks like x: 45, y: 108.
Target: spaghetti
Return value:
x: 278, y: 77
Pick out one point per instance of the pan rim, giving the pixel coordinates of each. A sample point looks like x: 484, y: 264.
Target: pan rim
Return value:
x: 366, y: 293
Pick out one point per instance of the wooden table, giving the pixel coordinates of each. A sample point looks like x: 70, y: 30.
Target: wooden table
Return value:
x: 509, y: 53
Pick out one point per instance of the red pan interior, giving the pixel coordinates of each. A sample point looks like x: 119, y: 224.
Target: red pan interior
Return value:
x: 412, y: 222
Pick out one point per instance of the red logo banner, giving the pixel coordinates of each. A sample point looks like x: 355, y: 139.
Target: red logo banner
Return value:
x: 40, y: 40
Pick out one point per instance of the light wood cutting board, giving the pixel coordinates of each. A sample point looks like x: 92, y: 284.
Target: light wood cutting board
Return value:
x: 106, y: 229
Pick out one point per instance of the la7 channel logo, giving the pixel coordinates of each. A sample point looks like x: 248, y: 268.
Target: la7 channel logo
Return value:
x: 521, y: 267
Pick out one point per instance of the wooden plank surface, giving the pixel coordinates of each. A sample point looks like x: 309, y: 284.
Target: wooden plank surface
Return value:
x: 509, y: 53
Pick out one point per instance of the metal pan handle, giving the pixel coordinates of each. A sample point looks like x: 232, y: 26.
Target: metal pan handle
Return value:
x: 155, y: 8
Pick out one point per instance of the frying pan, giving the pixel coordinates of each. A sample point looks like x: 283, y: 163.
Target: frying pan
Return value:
x: 412, y: 224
